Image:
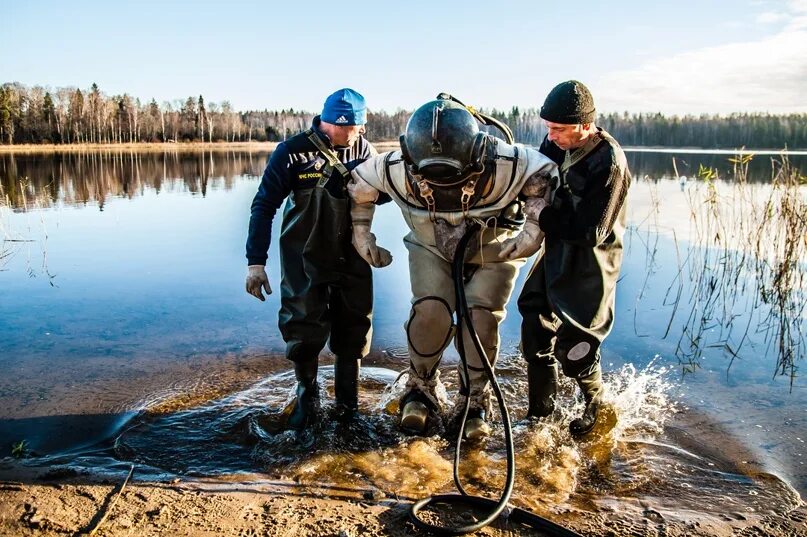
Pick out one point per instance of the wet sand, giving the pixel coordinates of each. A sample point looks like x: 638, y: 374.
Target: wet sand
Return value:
x: 58, y: 505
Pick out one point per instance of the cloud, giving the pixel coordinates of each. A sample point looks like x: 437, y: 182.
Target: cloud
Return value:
x: 770, y: 17
x: 768, y: 75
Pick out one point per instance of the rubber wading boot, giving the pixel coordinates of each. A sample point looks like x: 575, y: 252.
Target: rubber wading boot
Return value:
x: 592, y: 389
x: 542, y: 388
x: 476, y: 426
x: 415, y: 412
x: 307, y: 399
x: 346, y: 386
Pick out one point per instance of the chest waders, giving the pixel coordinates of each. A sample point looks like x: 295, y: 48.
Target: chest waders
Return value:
x: 326, y: 292
x: 555, y: 285
x: 495, y: 507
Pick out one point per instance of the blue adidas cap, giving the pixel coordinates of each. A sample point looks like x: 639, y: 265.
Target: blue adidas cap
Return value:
x: 345, y: 107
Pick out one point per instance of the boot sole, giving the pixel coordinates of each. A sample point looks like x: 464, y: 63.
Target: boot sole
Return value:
x: 577, y: 432
x: 476, y: 429
x: 413, y: 417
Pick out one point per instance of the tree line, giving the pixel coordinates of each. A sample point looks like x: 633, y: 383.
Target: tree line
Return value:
x: 70, y: 115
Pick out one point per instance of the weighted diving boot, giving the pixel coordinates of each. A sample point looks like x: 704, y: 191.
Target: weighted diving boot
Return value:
x: 307, y: 399
x: 542, y: 388
x: 346, y: 386
x: 415, y: 412
x: 479, y: 410
x: 592, y: 389
x: 476, y: 426
x: 419, y: 400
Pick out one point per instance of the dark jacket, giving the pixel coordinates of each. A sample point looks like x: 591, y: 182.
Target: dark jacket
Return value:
x: 584, y: 227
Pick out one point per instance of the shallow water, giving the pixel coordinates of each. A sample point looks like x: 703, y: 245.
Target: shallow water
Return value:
x: 127, y: 336
x: 636, y: 459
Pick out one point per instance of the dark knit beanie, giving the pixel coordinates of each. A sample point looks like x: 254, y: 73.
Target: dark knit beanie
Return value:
x: 570, y: 103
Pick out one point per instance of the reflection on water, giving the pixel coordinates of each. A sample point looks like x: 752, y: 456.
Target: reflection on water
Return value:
x: 140, y: 308
x: 32, y: 180
x: 652, y: 165
x: 36, y: 181
x: 740, y: 257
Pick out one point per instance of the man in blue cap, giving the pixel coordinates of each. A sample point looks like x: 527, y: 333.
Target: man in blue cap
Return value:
x: 326, y: 287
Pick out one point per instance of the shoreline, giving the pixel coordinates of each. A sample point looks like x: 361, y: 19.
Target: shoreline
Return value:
x: 385, y: 145
x: 53, y: 497
x: 158, y: 147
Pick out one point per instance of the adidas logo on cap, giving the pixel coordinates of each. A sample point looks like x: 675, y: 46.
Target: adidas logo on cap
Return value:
x: 341, y: 119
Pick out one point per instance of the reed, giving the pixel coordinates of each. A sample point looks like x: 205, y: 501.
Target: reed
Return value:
x: 14, y: 239
x: 20, y: 449
x: 5, y: 247
x: 746, y: 267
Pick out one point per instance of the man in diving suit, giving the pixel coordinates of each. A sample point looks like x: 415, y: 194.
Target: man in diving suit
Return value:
x: 447, y: 176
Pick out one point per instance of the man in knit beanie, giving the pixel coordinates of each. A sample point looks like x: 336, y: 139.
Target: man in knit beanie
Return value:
x: 326, y: 286
x: 567, y: 303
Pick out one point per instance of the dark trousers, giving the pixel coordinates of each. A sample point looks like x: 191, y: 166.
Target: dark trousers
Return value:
x: 549, y: 334
x: 337, y: 310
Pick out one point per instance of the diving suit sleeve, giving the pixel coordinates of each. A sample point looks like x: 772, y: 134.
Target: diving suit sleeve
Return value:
x: 360, y: 191
x: 537, y: 192
x: 371, y: 152
x: 361, y: 214
x: 371, y: 171
x: 529, y: 239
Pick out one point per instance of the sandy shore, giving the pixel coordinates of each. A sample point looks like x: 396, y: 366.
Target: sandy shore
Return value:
x: 56, y: 504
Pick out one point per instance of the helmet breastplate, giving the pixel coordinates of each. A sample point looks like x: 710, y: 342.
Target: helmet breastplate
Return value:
x: 459, y: 197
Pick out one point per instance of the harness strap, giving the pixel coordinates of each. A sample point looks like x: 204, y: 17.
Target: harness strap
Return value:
x: 573, y: 158
x: 580, y: 153
x: 330, y: 156
x: 388, y: 162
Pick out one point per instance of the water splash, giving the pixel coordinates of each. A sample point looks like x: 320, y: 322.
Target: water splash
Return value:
x: 630, y: 456
x: 643, y: 400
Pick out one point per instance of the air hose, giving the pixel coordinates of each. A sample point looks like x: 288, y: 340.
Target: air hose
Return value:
x: 496, y: 507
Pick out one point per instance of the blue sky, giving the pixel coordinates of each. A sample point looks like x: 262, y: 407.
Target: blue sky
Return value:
x: 688, y: 56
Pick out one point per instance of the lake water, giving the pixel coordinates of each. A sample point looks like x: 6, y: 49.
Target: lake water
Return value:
x: 126, y: 335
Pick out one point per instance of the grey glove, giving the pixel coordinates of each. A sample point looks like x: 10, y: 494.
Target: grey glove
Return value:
x: 529, y: 240
x: 364, y: 243
x: 257, y: 279
x: 361, y: 191
x: 361, y: 215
